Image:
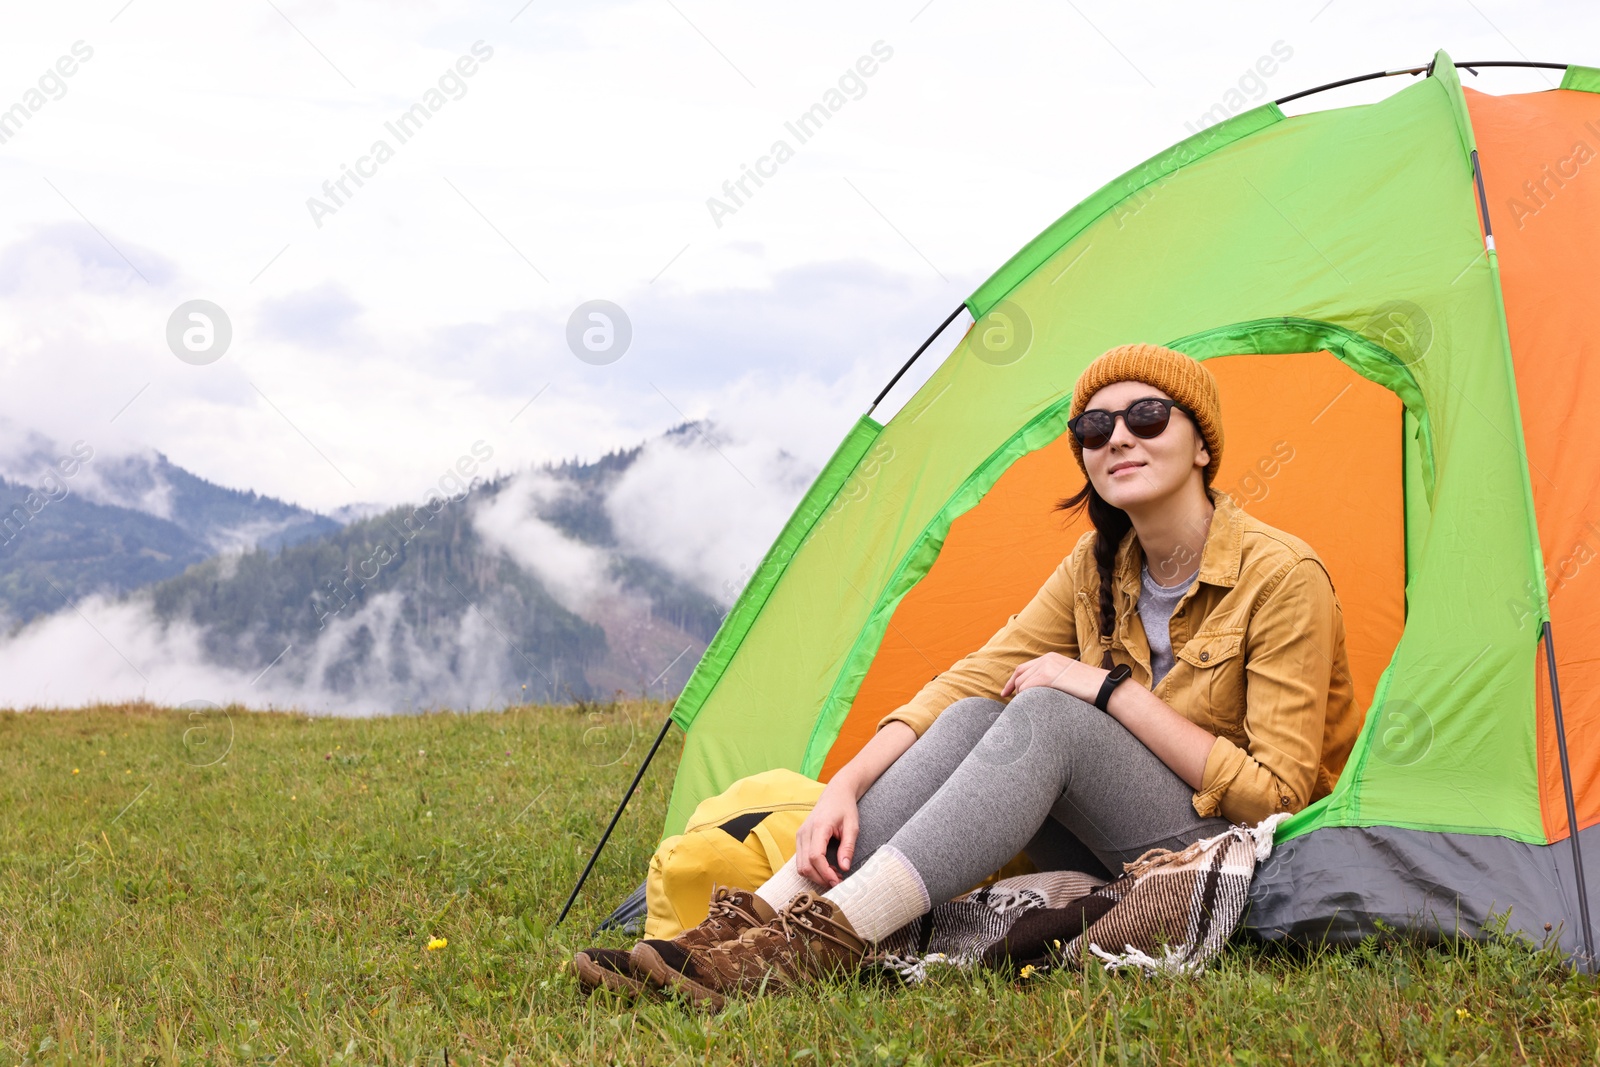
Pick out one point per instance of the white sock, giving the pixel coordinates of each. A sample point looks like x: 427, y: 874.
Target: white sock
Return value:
x: 884, y: 895
x: 785, y: 884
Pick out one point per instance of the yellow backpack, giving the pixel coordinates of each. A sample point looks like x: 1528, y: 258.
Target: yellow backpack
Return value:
x: 737, y: 838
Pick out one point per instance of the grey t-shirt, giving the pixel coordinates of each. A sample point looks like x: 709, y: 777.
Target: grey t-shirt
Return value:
x: 1155, y: 611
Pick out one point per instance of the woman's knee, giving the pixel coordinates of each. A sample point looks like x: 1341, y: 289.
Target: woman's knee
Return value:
x: 1043, y: 700
x: 968, y: 706
x: 1044, y: 722
x: 969, y: 717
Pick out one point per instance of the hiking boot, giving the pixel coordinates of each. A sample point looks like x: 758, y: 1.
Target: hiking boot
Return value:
x: 606, y: 968
x: 672, y: 964
x: 809, y: 940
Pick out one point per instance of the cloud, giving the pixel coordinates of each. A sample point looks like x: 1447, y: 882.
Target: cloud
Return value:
x: 128, y: 480
x: 323, y: 401
x: 25, y: 453
x: 705, y: 504
x: 575, y: 573
x: 822, y: 320
x: 321, y: 317
x: 113, y: 651
x: 397, y: 670
x: 117, y: 650
x: 71, y: 259
x: 133, y: 481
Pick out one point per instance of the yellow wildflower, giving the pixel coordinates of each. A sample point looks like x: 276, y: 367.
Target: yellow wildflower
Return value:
x: 1028, y: 971
x: 436, y: 944
x: 74, y: 770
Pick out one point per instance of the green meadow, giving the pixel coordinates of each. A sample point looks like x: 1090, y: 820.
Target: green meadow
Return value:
x: 276, y: 888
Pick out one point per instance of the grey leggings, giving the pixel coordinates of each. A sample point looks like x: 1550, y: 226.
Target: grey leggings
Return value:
x: 1048, y: 773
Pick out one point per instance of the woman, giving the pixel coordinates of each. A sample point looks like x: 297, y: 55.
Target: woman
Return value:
x: 1183, y: 668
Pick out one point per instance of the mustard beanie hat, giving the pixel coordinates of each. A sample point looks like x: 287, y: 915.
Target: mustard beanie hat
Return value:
x: 1181, y: 377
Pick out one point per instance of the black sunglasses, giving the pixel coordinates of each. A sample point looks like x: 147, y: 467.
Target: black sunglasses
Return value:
x: 1146, y: 417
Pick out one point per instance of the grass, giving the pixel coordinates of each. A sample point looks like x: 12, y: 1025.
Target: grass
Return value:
x: 263, y: 888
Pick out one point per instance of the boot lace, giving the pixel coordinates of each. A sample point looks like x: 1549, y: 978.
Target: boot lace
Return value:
x: 804, y: 913
x: 725, y: 909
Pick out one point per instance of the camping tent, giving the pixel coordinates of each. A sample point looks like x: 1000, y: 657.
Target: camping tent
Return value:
x: 1409, y: 398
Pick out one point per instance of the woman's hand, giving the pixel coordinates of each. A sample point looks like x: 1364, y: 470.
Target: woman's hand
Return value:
x: 1052, y: 669
x: 834, y: 816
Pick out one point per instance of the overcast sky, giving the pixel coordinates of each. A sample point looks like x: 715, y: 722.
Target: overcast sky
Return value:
x: 568, y: 154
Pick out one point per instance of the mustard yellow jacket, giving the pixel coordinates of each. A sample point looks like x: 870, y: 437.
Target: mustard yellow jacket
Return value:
x: 1259, y: 659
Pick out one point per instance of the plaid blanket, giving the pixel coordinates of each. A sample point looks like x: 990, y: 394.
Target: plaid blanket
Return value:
x: 1169, y: 912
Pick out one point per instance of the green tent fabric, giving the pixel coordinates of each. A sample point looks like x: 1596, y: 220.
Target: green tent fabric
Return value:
x: 1264, y: 234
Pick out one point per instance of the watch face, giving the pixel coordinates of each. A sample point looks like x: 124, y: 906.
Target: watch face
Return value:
x: 1115, y: 677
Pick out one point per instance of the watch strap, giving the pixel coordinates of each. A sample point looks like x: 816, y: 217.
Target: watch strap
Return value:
x: 1116, y: 677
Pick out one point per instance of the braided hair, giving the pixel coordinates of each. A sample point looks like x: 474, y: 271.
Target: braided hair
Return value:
x: 1111, y: 523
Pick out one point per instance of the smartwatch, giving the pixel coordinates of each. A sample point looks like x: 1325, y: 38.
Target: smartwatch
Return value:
x: 1119, y: 674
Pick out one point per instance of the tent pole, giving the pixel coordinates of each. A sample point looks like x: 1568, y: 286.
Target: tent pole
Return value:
x: 897, y: 375
x: 662, y: 736
x: 1572, y: 810
x: 1415, y: 71
x: 1549, y: 654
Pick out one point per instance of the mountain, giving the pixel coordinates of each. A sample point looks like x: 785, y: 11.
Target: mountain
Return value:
x: 225, y: 520
x: 115, y: 524
x: 417, y: 607
x: 517, y: 589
